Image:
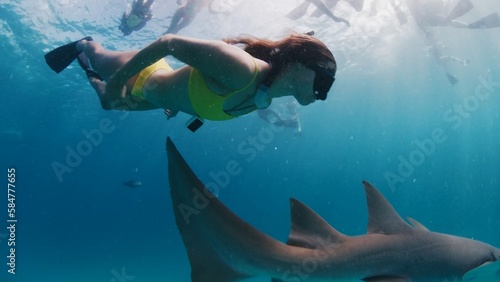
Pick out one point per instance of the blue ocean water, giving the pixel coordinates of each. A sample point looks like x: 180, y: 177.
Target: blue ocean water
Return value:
x: 392, y: 118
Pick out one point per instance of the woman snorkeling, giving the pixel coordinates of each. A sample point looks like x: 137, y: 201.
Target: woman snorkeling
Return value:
x: 221, y: 80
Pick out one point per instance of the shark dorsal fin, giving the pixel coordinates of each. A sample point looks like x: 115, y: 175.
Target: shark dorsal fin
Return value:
x: 417, y: 225
x: 309, y: 230
x: 382, y: 218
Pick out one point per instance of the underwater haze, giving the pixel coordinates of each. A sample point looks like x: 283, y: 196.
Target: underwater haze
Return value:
x: 415, y: 113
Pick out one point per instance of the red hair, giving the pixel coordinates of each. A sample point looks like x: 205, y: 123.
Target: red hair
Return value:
x: 297, y: 48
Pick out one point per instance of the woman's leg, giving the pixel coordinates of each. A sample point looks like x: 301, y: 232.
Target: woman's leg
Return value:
x: 103, y: 61
x: 129, y: 103
x: 176, y: 19
x: 100, y: 87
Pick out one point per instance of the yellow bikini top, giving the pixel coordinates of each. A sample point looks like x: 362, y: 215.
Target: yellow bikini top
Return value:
x: 206, y: 103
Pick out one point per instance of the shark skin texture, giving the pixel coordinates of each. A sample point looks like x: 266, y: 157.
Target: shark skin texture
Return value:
x: 222, y: 247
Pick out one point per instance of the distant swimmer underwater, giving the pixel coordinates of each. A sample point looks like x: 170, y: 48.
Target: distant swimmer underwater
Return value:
x: 222, y: 247
x: 221, y: 80
x: 137, y: 18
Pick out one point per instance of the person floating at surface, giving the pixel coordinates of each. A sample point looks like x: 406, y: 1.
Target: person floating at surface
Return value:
x: 186, y: 13
x: 429, y: 13
x: 137, y: 17
x: 219, y: 82
x: 323, y: 9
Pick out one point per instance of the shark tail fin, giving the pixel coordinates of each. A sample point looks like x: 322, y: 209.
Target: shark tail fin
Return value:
x: 202, y: 220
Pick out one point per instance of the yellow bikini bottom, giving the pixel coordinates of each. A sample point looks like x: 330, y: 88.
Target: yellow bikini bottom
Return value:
x: 145, y: 74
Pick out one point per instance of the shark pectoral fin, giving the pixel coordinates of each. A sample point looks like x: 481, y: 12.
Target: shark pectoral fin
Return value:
x: 382, y: 218
x: 309, y: 230
x: 386, y: 279
x: 417, y: 225
x: 485, y: 272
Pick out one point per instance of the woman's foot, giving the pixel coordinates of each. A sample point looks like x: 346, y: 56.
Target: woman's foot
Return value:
x: 84, y: 63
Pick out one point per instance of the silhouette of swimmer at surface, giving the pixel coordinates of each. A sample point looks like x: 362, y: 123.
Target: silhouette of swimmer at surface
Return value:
x: 429, y: 13
x: 433, y: 13
x: 186, y: 13
x: 137, y: 18
x: 324, y: 9
x: 132, y: 183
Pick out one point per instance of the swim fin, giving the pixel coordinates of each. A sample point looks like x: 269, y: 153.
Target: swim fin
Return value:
x: 462, y: 8
x: 299, y: 11
x: 61, y: 57
x: 490, y: 21
x: 323, y: 8
x: 357, y: 4
x: 318, y: 13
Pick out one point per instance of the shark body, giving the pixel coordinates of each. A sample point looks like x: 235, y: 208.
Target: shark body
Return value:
x: 222, y: 247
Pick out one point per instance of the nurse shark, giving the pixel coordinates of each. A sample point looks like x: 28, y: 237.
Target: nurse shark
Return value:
x: 222, y: 247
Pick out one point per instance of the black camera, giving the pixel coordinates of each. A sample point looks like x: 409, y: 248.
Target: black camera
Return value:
x: 194, y: 123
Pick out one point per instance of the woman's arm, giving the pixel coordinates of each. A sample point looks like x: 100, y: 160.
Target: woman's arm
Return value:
x: 115, y: 85
x: 227, y: 64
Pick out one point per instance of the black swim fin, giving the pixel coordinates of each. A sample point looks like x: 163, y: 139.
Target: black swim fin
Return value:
x: 490, y: 21
x: 61, y: 57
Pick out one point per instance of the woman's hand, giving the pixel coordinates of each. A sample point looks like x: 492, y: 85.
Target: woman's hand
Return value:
x: 115, y: 89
